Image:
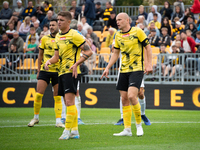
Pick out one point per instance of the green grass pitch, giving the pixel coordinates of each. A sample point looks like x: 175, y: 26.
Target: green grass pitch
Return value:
x: 170, y: 129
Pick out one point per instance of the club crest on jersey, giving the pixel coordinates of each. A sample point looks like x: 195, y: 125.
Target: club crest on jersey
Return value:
x: 53, y: 41
x: 62, y: 38
x: 126, y: 35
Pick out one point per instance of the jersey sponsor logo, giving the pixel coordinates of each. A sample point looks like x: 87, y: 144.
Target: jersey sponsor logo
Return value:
x: 53, y: 41
x: 62, y: 38
x: 126, y: 35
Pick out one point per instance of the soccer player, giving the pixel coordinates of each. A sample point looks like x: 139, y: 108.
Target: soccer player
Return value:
x: 44, y: 77
x: 142, y: 101
x: 130, y: 41
x: 69, y: 44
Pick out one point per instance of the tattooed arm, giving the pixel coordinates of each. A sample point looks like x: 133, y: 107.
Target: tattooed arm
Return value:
x: 87, y: 52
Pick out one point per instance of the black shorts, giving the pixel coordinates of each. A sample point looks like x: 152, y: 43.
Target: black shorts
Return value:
x: 129, y: 79
x: 67, y: 84
x: 49, y: 76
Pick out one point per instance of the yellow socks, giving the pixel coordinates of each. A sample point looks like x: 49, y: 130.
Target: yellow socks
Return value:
x: 71, y: 115
x: 57, y: 106
x: 75, y: 123
x: 127, y: 114
x: 37, y: 103
x: 137, y: 112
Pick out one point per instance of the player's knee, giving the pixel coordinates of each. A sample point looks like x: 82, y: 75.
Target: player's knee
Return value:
x: 132, y: 97
x: 125, y: 101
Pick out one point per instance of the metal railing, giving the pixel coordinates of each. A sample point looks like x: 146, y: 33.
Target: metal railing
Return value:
x: 176, y: 69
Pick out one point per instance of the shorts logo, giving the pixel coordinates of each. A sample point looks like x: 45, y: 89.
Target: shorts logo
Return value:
x: 62, y: 38
x: 66, y: 90
x: 126, y: 35
x: 132, y: 83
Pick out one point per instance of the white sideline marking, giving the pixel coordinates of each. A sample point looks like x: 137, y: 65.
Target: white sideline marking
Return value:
x: 15, y: 126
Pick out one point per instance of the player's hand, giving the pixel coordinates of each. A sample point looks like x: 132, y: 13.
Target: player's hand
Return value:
x: 105, y: 73
x: 74, y: 70
x: 46, y: 65
x: 148, y: 69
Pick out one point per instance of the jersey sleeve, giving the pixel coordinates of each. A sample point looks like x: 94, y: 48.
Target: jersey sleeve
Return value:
x: 42, y: 43
x: 116, y: 46
x: 55, y: 45
x: 78, y: 39
x: 142, y: 37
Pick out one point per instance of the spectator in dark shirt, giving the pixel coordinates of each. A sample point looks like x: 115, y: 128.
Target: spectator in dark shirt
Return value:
x: 77, y: 9
x: 47, y: 6
x: 18, y: 41
x: 106, y: 14
x: 141, y: 12
x: 165, y: 39
x: 112, y: 20
x: 40, y: 13
x: 166, y: 11
x: 47, y: 20
x: 4, y: 43
x: 99, y: 11
x: 6, y: 12
x: 89, y: 11
x: 153, y: 38
x: 165, y: 24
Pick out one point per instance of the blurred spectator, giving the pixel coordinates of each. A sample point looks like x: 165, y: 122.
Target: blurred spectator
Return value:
x: 109, y: 38
x: 93, y: 36
x: 153, y: 38
x: 141, y: 26
x: 85, y: 24
x: 180, y: 4
x: 106, y: 14
x: 197, y: 40
x: 34, y: 19
x: 12, y: 60
x: 10, y: 31
x: 32, y: 34
x: 45, y: 31
x: 166, y: 11
x: 89, y: 11
x: 47, y: 20
x: 195, y: 9
x: 46, y: 6
x: 77, y: 9
x: 37, y: 28
x: 29, y: 10
x: 40, y: 13
x: 99, y: 11
x: 193, y: 29
x: 165, y: 39
x: 153, y: 11
x: 187, y: 43
x: 179, y: 48
x: 81, y: 30
x: 4, y: 43
x: 6, y: 12
x: 73, y: 24
x: 18, y: 41
x: 17, y: 11
x: 186, y: 15
x: 178, y: 14
x: 174, y: 63
x: 142, y: 20
x: 25, y: 26
x: 155, y: 20
x: 189, y: 33
x: 31, y: 46
x: 177, y: 38
x: 91, y: 43
x: 54, y: 14
x: 141, y: 12
x: 190, y: 19
x: 112, y: 20
x: 152, y: 26
x: 132, y: 24
x: 177, y: 30
x: 165, y: 24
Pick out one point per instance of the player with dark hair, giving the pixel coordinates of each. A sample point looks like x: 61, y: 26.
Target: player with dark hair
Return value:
x: 69, y: 44
x: 44, y: 77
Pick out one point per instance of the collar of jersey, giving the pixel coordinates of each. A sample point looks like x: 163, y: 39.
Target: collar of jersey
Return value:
x: 52, y: 36
x: 127, y: 31
x: 64, y: 33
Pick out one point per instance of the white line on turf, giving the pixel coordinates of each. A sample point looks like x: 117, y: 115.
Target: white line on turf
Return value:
x: 15, y: 126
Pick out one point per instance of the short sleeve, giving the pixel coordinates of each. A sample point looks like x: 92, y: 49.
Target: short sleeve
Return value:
x: 42, y: 43
x: 78, y: 39
x: 55, y: 45
x: 142, y: 37
x: 116, y: 46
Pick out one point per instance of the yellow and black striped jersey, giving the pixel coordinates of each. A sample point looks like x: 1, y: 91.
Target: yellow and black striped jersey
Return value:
x: 131, y: 45
x: 47, y: 45
x: 68, y: 45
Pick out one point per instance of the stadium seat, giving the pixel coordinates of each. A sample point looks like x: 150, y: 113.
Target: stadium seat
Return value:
x: 2, y: 62
x: 36, y: 64
x: 168, y: 50
x: 155, y: 50
x: 28, y: 64
x: 103, y: 44
x: 154, y: 60
x: 98, y: 33
x: 105, y: 50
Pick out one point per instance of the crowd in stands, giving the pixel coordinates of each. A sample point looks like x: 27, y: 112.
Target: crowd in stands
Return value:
x: 173, y: 29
